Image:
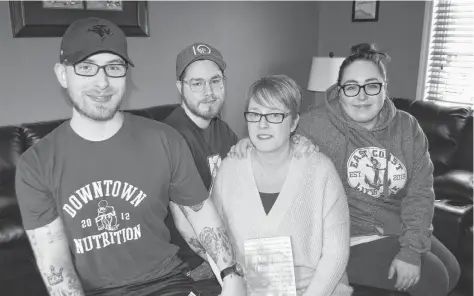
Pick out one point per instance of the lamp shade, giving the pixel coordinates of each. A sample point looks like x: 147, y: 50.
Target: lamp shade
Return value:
x: 324, y: 72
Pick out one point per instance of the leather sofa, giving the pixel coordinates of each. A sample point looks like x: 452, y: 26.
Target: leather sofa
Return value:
x: 449, y: 131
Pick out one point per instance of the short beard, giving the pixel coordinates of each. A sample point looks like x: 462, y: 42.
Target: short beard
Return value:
x: 194, y: 110
x: 101, y: 117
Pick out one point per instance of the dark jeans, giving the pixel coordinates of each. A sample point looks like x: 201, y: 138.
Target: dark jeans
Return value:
x: 369, y: 264
x: 175, y: 284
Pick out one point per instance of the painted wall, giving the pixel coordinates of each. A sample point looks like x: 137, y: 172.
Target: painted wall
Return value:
x: 397, y: 32
x: 256, y: 38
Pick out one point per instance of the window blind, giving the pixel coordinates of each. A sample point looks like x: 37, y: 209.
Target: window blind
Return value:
x: 450, y: 71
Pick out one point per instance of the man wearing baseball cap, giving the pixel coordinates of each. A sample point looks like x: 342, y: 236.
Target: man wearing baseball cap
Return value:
x: 200, y: 80
x: 201, y: 83
x: 94, y: 192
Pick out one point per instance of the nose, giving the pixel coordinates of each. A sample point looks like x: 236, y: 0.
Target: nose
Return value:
x: 207, y: 88
x: 363, y: 96
x: 263, y: 123
x: 101, y: 79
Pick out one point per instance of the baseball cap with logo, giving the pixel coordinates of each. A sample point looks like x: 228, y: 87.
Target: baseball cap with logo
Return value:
x: 195, y: 52
x: 89, y: 36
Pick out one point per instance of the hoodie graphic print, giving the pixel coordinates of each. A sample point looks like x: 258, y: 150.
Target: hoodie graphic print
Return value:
x: 387, y: 173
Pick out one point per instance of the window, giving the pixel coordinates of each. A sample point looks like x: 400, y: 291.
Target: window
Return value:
x: 447, y: 62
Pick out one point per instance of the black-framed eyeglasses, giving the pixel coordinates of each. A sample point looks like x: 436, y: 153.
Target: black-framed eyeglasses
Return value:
x: 371, y: 89
x: 270, y: 117
x: 198, y: 85
x: 111, y: 70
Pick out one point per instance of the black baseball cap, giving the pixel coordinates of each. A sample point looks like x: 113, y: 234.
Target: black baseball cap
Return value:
x: 89, y: 36
x: 195, y: 52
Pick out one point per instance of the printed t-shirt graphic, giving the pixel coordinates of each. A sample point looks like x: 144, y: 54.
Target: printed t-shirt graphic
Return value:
x: 366, y: 168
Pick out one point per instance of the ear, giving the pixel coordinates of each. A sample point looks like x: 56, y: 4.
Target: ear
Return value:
x: 179, y: 86
x: 295, y: 122
x: 60, y: 71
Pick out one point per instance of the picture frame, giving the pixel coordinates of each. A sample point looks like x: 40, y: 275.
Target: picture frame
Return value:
x: 365, y: 11
x: 51, y: 19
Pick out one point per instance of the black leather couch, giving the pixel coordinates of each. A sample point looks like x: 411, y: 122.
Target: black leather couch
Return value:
x: 449, y: 131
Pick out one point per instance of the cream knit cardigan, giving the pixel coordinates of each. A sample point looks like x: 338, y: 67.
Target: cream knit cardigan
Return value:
x: 311, y: 208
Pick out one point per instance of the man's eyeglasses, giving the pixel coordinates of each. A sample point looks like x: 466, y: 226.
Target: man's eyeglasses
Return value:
x: 90, y: 69
x: 371, y: 89
x: 197, y: 85
x: 270, y: 117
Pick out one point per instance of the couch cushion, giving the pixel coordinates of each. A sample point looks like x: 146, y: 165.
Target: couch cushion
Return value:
x: 463, y: 158
x: 10, y: 149
x: 442, y: 126
x: 158, y: 113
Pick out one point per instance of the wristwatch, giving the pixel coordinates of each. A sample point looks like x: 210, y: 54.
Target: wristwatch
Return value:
x: 236, y: 268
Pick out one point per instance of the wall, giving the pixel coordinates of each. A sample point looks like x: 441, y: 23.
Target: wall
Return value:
x: 397, y: 32
x: 256, y: 38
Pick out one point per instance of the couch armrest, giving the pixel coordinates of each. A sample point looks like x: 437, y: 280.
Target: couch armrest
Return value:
x: 451, y: 219
x: 455, y: 185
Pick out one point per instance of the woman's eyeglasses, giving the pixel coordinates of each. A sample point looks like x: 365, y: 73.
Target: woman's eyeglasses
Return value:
x: 371, y: 89
x: 270, y: 117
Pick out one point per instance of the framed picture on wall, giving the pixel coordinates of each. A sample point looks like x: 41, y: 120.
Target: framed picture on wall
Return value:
x: 51, y: 18
x: 365, y: 11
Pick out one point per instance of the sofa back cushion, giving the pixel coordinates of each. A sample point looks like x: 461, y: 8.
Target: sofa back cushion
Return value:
x: 10, y: 149
x: 463, y: 159
x: 33, y: 132
x: 443, y: 127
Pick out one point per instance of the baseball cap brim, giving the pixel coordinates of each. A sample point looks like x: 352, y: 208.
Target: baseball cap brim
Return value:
x: 217, y: 60
x: 84, y: 54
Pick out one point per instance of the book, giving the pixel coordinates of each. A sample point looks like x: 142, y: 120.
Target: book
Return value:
x: 269, y: 268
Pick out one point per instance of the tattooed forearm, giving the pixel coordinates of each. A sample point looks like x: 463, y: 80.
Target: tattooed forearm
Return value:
x: 61, y: 283
x: 51, y: 249
x: 217, y: 244
x: 183, y: 209
x: 196, y: 246
x: 225, y: 242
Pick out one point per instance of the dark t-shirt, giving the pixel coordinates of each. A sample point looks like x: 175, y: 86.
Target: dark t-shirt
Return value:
x: 112, y: 197
x: 268, y: 200
x: 208, y: 147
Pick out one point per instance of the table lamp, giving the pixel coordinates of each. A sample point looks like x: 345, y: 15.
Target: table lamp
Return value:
x: 323, y: 77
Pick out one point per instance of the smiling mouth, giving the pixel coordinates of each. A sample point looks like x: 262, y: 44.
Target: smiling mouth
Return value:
x: 264, y: 137
x: 100, y: 99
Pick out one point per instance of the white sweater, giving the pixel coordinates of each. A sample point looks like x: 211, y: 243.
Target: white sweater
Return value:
x: 311, y: 208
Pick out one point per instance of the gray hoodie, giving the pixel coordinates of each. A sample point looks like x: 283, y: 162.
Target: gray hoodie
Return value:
x: 394, y: 202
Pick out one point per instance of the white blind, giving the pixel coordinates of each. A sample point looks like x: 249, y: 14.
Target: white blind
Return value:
x: 450, y: 72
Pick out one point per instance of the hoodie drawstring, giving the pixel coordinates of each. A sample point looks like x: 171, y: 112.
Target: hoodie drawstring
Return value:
x: 387, y: 159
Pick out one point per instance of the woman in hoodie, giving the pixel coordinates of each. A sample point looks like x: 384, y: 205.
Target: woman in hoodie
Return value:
x: 382, y: 157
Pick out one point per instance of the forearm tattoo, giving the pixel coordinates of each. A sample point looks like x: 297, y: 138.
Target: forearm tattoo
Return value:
x: 217, y: 244
x: 196, y: 246
x: 56, y: 281
x: 183, y: 209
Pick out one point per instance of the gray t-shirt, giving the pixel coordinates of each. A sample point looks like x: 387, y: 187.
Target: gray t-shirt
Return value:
x: 112, y: 197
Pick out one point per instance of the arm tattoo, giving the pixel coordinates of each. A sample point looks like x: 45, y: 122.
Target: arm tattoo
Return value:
x: 183, y: 209
x: 208, y: 238
x: 225, y: 241
x: 56, y: 283
x: 217, y: 244
x: 197, y: 207
x: 54, y: 278
x: 196, y: 246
